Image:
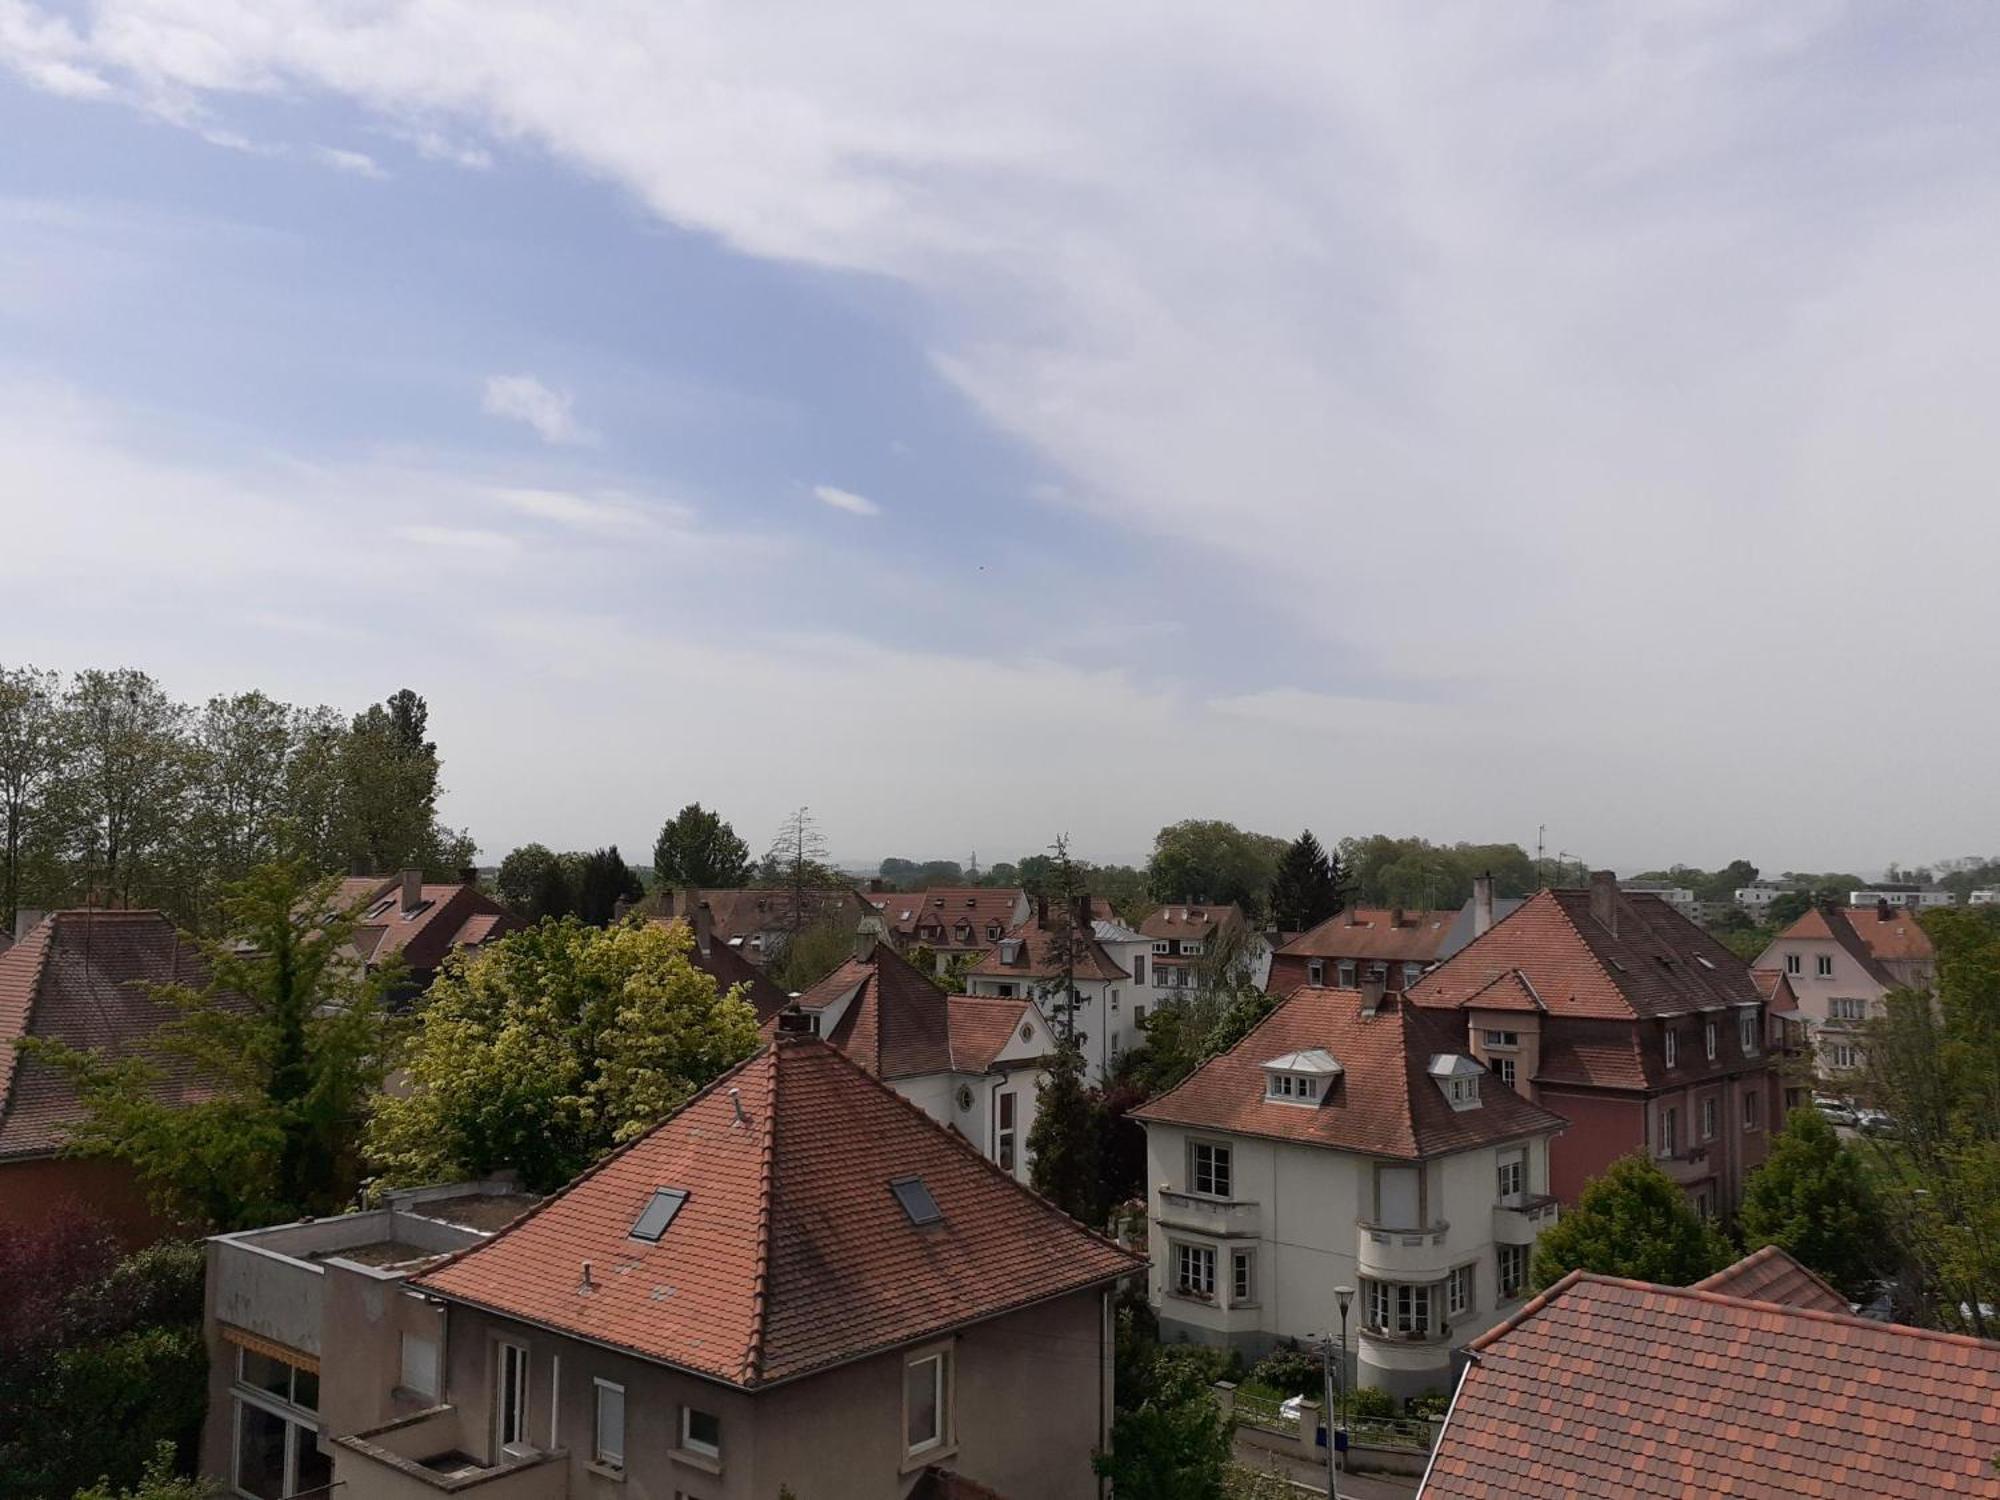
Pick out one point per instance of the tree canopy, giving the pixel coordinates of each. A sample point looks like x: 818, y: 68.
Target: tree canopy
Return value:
x: 543, y: 1051
x: 1415, y: 873
x: 697, y: 848
x: 1210, y: 860
x: 1633, y: 1221
x: 1811, y: 1199
x: 1308, y: 886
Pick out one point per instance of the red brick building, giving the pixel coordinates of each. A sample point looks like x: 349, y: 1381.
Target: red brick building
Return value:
x: 1625, y: 1018
x: 1358, y: 944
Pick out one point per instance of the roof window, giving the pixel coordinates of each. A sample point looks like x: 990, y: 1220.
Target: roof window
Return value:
x: 916, y: 1200
x: 658, y: 1214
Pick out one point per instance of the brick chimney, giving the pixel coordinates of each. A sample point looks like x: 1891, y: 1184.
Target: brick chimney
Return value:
x: 1395, y: 916
x: 1604, y: 900
x: 1881, y: 908
x: 1372, y: 991
x: 865, y: 934
x: 694, y: 911
x: 413, y: 889
x: 1482, y: 904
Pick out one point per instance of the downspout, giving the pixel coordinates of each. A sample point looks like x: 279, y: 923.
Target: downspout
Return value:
x: 1104, y: 1378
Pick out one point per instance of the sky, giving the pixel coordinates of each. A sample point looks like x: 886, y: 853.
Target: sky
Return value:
x: 976, y: 423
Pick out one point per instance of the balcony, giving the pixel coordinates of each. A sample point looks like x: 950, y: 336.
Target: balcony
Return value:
x: 1516, y: 1221
x: 1220, y: 1218
x: 1687, y: 1167
x: 1389, y: 1254
x: 418, y: 1458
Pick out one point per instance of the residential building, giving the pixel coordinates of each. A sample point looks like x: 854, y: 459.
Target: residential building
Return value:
x: 724, y: 964
x: 1757, y: 898
x: 1026, y: 964
x: 418, y: 922
x: 1185, y: 933
x: 974, y: 1064
x: 1914, y: 897
x: 1840, y: 962
x: 1756, y: 1382
x: 797, y: 1281
x: 757, y: 921
x: 950, y: 921
x: 86, y: 978
x: 1363, y: 945
x: 1630, y: 1022
x: 1132, y: 951
x: 1679, y: 897
x: 1984, y: 896
x: 311, y: 1332
x: 1347, y: 1140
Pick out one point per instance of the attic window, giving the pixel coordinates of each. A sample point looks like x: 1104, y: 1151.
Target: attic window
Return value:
x: 1703, y: 961
x: 658, y: 1214
x: 416, y: 911
x: 1458, y: 1078
x: 916, y: 1200
x: 379, y: 907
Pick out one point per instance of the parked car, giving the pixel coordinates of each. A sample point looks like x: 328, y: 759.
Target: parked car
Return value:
x: 1839, y: 1111
x: 1874, y: 1122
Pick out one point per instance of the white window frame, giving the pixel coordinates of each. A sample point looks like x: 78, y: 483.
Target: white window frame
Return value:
x: 689, y: 1443
x: 941, y: 1387
x: 503, y: 1351
x: 1316, y: 972
x: 297, y: 1432
x: 1512, y: 1173
x: 1412, y: 972
x: 1746, y: 1032
x: 1500, y: 1041
x: 1505, y: 1068
x: 1242, y: 1277
x: 1669, y: 1130
x: 1215, y: 1162
x: 1194, y: 1270
x: 1006, y: 1117
x: 1708, y: 1039
x: 1344, y: 974
x: 609, y: 1456
x: 1753, y: 1110
x: 1510, y: 1287
x: 1823, y: 966
x: 1795, y: 963
x: 1709, y: 1118
x: 1673, y: 1048
x: 1458, y: 1291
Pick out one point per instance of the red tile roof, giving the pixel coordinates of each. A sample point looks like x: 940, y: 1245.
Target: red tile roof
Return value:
x: 911, y: 916
x: 791, y: 1253
x: 981, y: 1026
x: 897, y: 1023
x: 1872, y: 940
x: 449, y: 916
x: 83, y: 977
x: 1384, y: 1103
x: 1367, y: 934
x: 736, y: 916
x: 1191, y: 919
x: 1771, y: 1275
x: 1656, y: 963
x: 1606, y: 1387
x: 1035, y: 961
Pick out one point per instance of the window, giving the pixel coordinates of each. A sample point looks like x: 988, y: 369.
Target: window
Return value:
x: 658, y: 1214
x: 1194, y: 1270
x: 1345, y: 972
x: 276, y: 1437
x: 1843, y: 1055
x: 1411, y: 974
x: 701, y: 1432
x: 1669, y: 1130
x: 925, y: 1400
x: 1292, y: 1086
x: 1504, y: 1067
x: 916, y: 1200
x: 1463, y: 1092
x: 610, y: 1437
x: 1513, y: 1265
x: 513, y: 1394
x: 292, y: 1384
x: 1846, y: 1008
x: 1138, y: 968
x: 1413, y: 1309
x: 1159, y: 947
x: 1513, y: 1175
x: 1708, y: 1039
x: 1507, y: 1039
x: 1004, y: 1144
x: 1316, y: 972
x: 1746, y: 1032
x: 1794, y: 963
x: 1753, y: 1110
x: 1708, y: 1118
x: 420, y: 1365
x: 1114, y: 999
x: 1825, y: 966
x: 1243, y: 1276
x: 1139, y: 1016
x: 1209, y: 1169
x: 1458, y: 1292
x: 1378, y: 974
x: 1673, y: 1048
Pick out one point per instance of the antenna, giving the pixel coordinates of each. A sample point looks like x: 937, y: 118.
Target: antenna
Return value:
x: 1541, y: 853
x: 736, y: 1102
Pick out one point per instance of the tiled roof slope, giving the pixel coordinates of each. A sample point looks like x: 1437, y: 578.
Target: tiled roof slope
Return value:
x: 451, y: 915
x: 1657, y: 962
x: 898, y: 1024
x: 905, y: 912
x: 1770, y: 1275
x: 1190, y: 919
x: 1384, y: 1103
x: 737, y: 915
x: 1036, y: 959
x: 82, y: 977
x: 791, y: 1253
x: 1871, y: 941
x: 981, y: 1026
x: 1368, y: 934
x: 1605, y: 1387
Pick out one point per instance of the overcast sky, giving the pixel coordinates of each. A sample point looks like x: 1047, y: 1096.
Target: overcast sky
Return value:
x: 976, y: 423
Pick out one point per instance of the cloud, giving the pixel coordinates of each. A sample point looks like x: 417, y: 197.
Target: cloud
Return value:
x: 605, y: 514
x: 470, y: 541
x: 357, y: 163
x: 525, y: 399
x: 847, y: 500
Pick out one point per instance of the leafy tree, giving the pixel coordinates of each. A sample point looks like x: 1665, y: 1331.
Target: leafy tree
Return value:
x: 389, y: 774
x: 603, y: 880
x: 31, y: 761
x: 543, y: 1051
x: 810, y: 954
x: 1065, y: 1144
x: 1413, y: 872
x: 534, y: 882
x: 159, y: 1481
x: 289, y: 1038
x: 1174, y: 1444
x: 1811, y: 1199
x: 132, y: 771
x: 1633, y: 1221
x: 1307, y: 888
x: 1206, y: 859
x: 696, y: 848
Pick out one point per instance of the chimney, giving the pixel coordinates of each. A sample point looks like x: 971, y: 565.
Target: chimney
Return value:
x: 413, y: 889
x: 1482, y: 904
x: 586, y: 1286
x: 1083, y: 912
x: 1395, y: 916
x: 1353, y: 915
x: 864, y: 940
x: 875, y: 886
x: 26, y: 920
x: 696, y: 912
x: 1604, y: 900
x: 1881, y: 908
x: 1372, y: 991
x: 1042, y: 911
x: 468, y: 875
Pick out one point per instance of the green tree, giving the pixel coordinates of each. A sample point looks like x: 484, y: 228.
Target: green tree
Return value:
x: 534, y: 882
x: 1307, y: 888
x: 697, y: 848
x: 543, y: 1051
x: 132, y: 770
x: 289, y: 1038
x: 1174, y: 1443
x: 1069, y: 939
x: 160, y: 1480
x: 31, y: 764
x: 812, y: 953
x: 1210, y: 860
x: 1811, y: 1199
x: 1415, y: 873
x: 603, y: 881
x: 1634, y: 1221
x: 1066, y: 1143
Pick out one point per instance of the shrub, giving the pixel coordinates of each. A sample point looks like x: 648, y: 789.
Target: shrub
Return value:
x: 1431, y: 1403
x: 1367, y: 1403
x: 1289, y: 1368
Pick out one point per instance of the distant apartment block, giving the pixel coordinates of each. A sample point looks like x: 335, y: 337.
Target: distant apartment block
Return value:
x: 1912, y: 897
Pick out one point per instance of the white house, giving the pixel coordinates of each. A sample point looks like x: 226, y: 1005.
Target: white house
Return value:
x: 973, y: 1064
x: 1347, y: 1141
x: 1181, y: 935
x: 1915, y: 897
x: 1025, y: 964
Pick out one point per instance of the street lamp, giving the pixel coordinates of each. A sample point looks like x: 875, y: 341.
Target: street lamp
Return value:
x: 1343, y: 1295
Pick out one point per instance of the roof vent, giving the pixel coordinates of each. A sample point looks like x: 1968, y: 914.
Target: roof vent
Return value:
x: 916, y: 1200
x: 656, y: 1215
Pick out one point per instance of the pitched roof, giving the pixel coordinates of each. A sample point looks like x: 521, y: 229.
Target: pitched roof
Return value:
x: 1655, y: 963
x: 1606, y: 1387
x: 910, y: 915
x: 1370, y: 934
x: 1771, y: 1275
x: 895, y: 1023
x: 448, y: 915
x: 727, y: 967
x: 1190, y: 919
x: 83, y: 977
x: 1034, y: 959
x: 791, y: 1252
x: 983, y: 1025
x: 1870, y: 937
x: 1384, y: 1102
x: 736, y: 916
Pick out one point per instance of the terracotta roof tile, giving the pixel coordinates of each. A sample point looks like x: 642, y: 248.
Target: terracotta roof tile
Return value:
x: 791, y: 1253
x: 736, y: 916
x: 897, y: 1023
x: 1191, y: 919
x: 1771, y: 1275
x: 449, y: 915
x: 1367, y: 934
x: 1604, y: 1387
x: 1384, y: 1102
x: 727, y: 968
x: 1887, y: 937
x: 934, y: 917
x: 982, y: 1025
x: 1035, y: 961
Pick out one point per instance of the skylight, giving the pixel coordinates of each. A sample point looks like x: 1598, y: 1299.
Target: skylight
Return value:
x: 916, y: 1200
x: 658, y: 1214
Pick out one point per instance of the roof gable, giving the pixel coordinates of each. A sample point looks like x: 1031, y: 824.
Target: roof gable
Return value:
x: 1772, y: 1275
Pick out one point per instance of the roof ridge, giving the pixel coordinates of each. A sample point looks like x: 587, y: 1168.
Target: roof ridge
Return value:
x: 37, y: 964
x: 1534, y: 1305
x: 760, y: 1280
x: 1766, y: 1252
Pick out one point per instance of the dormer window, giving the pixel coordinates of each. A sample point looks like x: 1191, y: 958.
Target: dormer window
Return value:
x: 1457, y: 1078
x: 1303, y: 1078
x: 1010, y: 951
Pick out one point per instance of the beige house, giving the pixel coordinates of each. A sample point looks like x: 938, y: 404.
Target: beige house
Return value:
x: 1839, y: 963
x: 796, y: 1282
